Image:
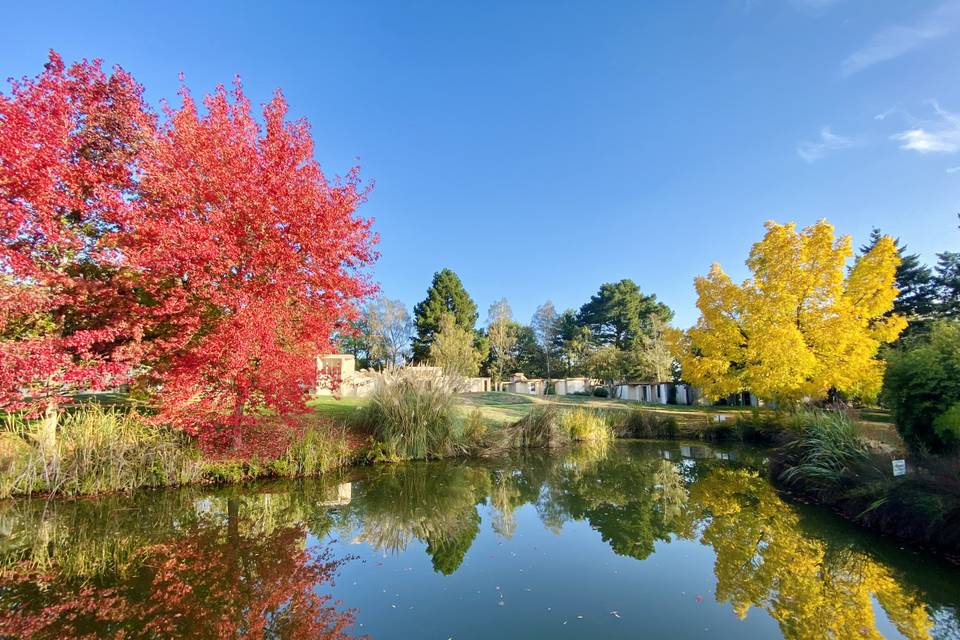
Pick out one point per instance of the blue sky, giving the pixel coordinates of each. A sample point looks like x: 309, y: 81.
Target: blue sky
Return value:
x: 539, y: 149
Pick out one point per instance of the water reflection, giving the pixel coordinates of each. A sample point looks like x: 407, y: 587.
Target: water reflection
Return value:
x: 260, y: 562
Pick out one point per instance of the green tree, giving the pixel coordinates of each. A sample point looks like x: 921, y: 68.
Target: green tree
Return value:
x: 922, y: 383
x: 453, y: 348
x: 526, y: 354
x: 653, y: 354
x: 356, y: 341
x: 611, y: 365
x: 946, y: 284
x: 618, y: 314
x: 445, y: 295
x: 572, y: 343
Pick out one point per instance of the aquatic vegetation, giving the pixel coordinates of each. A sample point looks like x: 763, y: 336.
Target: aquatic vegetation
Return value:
x: 97, y: 450
x: 827, y: 453
x: 644, y: 423
x: 584, y: 425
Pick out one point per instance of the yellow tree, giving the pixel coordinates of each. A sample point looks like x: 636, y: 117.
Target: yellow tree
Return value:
x: 802, y: 325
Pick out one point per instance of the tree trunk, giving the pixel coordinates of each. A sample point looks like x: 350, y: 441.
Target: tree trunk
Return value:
x: 237, y: 422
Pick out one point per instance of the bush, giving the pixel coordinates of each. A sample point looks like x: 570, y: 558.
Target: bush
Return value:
x: 225, y: 471
x: 411, y: 414
x: 600, y: 392
x: 922, y: 383
x: 761, y: 427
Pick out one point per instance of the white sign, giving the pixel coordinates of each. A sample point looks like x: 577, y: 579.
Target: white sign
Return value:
x: 899, y: 467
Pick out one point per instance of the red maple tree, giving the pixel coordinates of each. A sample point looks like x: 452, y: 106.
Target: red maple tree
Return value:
x: 207, y: 254
x: 250, y: 257
x: 69, y: 140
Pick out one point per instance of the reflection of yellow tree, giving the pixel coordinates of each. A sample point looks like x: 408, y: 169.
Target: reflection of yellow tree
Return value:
x: 765, y: 560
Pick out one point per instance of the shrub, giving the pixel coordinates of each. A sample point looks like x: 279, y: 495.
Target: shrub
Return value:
x: 411, y: 414
x: 922, y: 383
x: 225, y: 471
x: 947, y: 425
x: 600, y: 392
x: 761, y: 426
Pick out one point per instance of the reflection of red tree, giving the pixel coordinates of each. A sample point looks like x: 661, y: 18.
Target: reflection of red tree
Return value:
x: 204, y: 585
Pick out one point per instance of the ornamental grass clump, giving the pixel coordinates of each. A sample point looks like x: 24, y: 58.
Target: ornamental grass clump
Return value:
x: 827, y: 454
x: 584, y: 425
x: 411, y: 413
x: 541, y: 428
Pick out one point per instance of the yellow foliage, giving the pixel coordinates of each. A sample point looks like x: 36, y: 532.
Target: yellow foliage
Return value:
x: 802, y: 325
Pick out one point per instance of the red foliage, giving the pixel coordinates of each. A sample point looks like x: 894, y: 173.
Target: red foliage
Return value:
x: 68, y: 143
x: 207, y: 253
x: 251, y: 257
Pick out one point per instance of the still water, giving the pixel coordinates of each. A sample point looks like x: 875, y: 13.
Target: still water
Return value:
x: 636, y: 540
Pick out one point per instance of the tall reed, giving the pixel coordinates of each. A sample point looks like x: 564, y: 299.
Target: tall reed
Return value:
x: 411, y: 413
x: 97, y: 450
x: 827, y: 453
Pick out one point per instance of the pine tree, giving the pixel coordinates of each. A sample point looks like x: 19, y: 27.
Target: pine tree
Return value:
x: 619, y: 314
x: 445, y: 295
x: 946, y: 284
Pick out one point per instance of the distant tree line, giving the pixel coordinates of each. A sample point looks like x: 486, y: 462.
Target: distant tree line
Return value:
x: 619, y: 333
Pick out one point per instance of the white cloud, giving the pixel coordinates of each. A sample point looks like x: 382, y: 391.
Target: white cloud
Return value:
x: 941, y: 135
x: 896, y: 40
x: 829, y: 141
x: 886, y: 114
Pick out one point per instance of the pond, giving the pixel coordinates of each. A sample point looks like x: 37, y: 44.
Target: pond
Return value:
x: 656, y: 540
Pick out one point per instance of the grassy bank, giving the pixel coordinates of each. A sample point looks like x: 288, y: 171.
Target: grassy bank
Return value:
x: 826, y: 460
x: 816, y: 456
x: 106, y: 449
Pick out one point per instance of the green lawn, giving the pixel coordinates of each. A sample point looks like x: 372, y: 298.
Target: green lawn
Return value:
x: 502, y: 407
x: 339, y: 410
